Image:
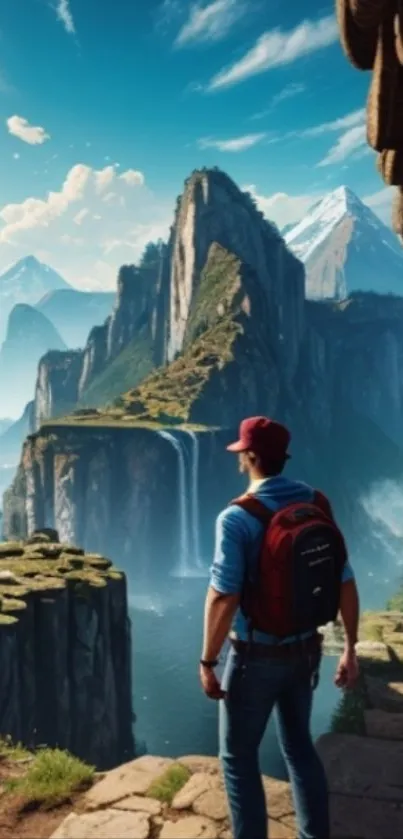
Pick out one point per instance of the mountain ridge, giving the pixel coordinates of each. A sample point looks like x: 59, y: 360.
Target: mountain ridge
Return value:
x: 345, y: 247
x: 26, y: 281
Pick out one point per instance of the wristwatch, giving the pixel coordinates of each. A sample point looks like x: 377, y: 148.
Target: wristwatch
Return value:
x: 209, y: 665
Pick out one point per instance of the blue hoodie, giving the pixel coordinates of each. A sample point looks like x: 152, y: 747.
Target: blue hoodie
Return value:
x: 238, y: 541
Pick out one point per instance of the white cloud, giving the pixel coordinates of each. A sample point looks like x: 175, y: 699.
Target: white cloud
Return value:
x: 64, y: 14
x: 287, y: 92
x: 276, y: 48
x: 211, y: 22
x: 237, y: 144
x: 77, y: 223
x: 350, y: 141
x: 341, y: 124
x: 132, y: 177
x: 282, y: 208
x: 19, y: 127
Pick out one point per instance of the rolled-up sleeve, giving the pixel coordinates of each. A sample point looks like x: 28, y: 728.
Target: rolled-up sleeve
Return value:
x: 228, y: 568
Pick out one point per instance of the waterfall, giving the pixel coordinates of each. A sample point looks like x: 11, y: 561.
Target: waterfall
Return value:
x: 194, y: 497
x: 190, y: 562
x: 183, y: 518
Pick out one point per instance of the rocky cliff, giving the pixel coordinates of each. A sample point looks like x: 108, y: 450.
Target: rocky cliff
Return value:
x: 358, y: 344
x: 65, y: 650
x: 120, y: 490
x: 98, y: 373
x: 245, y: 341
x: 213, y: 209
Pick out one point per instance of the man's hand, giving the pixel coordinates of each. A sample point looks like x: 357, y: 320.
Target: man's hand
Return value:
x: 210, y: 683
x: 347, y: 670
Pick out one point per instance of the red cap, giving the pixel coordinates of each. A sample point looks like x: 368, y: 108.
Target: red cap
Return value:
x: 262, y: 436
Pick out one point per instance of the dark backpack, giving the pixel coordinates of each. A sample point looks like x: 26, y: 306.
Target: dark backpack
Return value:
x: 302, y: 557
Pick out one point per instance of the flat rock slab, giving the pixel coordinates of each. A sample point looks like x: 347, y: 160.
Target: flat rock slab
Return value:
x: 363, y: 766
x: 139, y: 802
x: 358, y: 818
x: 213, y: 804
x: 199, y: 784
x: 384, y: 725
x: 105, y: 824
x: 191, y: 827
x: 133, y: 778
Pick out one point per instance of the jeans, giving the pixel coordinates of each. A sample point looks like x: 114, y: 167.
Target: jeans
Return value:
x: 254, y: 688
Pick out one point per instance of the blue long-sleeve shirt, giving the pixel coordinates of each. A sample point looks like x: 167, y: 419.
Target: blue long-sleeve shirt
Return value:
x: 238, y: 542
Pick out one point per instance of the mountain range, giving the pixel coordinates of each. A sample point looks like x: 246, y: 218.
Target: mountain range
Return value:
x: 27, y: 281
x: 72, y: 312
x: 220, y: 316
x: 345, y: 247
x: 341, y: 242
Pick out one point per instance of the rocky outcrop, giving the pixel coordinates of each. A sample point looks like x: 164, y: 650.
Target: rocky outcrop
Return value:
x: 57, y: 384
x: 213, y: 209
x: 228, y: 349
x: 93, y: 376
x: 133, y: 307
x: 128, y: 802
x: 106, y: 487
x: 356, y: 347
x: 65, y: 650
x: 95, y: 356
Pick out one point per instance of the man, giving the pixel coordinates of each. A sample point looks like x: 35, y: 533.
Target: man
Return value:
x: 264, y: 671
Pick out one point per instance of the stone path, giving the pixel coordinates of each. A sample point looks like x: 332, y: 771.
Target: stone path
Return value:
x: 118, y: 806
x: 365, y: 773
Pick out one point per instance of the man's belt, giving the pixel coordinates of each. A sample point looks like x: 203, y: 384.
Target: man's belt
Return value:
x: 293, y: 649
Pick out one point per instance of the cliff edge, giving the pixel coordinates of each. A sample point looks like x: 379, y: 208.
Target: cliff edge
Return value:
x: 65, y: 651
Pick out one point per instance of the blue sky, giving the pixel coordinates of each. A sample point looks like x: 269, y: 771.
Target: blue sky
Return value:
x: 107, y: 105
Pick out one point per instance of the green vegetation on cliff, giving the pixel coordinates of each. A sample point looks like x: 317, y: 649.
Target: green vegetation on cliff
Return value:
x: 52, y: 778
x: 220, y: 353
x: 169, y: 783
x: 170, y: 392
x: 65, y: 651
x: 125, y: 371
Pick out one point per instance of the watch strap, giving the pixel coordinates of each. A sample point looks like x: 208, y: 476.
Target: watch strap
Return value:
x: 208, y: 664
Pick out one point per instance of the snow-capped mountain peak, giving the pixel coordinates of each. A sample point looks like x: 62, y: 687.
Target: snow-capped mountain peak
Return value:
x: 345, y: 247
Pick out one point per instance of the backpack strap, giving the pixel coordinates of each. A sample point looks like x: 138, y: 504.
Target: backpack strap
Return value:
x: 320, y: 500
x: 254, y: 507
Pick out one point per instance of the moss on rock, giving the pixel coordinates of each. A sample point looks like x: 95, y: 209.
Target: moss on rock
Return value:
x: 60, y: 683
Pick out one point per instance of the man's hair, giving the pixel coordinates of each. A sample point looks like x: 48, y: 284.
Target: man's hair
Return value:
x: 268, y: 465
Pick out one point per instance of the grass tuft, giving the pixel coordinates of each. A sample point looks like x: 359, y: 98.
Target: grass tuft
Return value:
x: 169, y: 783
x: 52, y: 778
x: 348, y: 718
x: 13, y: 751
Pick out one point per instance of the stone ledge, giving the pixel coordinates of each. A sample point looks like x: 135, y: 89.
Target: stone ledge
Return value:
x: 119, y: 805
